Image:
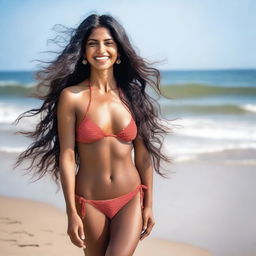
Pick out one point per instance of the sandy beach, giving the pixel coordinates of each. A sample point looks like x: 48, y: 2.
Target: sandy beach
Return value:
x: 28, y: 227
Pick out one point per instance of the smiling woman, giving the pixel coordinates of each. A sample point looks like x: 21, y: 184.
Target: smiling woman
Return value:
x: 95, y: 112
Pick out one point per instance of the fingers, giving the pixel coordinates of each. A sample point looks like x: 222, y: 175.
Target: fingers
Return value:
x: 76, y: 237
x: 147, y: 228
x: 81, y: 232
x: 145, y: 224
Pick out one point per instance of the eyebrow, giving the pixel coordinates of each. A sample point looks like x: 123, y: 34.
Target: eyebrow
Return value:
x: 92, y: 39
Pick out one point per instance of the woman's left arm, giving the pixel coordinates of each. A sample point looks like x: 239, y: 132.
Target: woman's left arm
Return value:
x: 142, y: 161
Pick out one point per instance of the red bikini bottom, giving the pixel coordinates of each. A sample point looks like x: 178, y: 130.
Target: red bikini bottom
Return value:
x: 110, y: 207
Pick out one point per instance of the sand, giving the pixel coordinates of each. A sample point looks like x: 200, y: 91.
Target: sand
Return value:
x: 29, y: 227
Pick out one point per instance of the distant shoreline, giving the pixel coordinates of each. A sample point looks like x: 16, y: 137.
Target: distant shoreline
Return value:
x: 164, y: 70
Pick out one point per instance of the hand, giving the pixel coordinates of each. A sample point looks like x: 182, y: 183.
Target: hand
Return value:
x: 76, y: 230
x: 148, y: 222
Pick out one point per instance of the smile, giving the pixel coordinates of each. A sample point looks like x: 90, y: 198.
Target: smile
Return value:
x: 104, y: 58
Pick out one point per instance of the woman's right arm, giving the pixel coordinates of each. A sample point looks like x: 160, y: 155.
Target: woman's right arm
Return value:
x: 66, y: 133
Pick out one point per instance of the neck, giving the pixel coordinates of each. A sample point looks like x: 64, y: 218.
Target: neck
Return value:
x: 103, y: 80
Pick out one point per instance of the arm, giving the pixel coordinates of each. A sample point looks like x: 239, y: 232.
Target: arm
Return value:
x: 66, y: 132
x: 143, y: 164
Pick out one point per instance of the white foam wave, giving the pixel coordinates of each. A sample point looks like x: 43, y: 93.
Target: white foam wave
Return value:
x: 8, y: 82
x: 185, y: 150
x: 217, y: 129
x: 11, y: 149
x: 249, y: 107
x: 9, y: 113
x: 213, y: 148
x: 15, y: 83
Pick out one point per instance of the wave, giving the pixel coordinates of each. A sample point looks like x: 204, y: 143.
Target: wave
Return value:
x: 16, y: 83
x: 17, y: 90
x: 190, y: 90
x: 193, y: 90
x: 212, y: 109
x: 185, y: 154
x: 214, y: 129
x: 249, y: 107
x: 8, y: 113
x: 8, y: 82
x: 12, y: 150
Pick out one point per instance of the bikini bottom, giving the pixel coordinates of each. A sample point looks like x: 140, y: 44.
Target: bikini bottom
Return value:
x: 110, y: 207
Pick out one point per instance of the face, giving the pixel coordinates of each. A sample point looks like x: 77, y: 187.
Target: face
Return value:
x: 100, y: 43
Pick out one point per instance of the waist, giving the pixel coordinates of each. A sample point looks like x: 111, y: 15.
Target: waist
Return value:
x: 106, y: 184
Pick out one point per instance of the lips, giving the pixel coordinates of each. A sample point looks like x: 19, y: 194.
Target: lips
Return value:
x: 101, y: 57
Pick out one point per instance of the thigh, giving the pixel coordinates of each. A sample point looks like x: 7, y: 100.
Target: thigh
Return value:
x: 125, y: 229
x: 96, y: 230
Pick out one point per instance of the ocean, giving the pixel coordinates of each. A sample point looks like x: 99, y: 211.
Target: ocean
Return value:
x: 212, y: 110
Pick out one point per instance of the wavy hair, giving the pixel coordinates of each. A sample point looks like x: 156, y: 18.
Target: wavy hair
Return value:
x: 132, y: 75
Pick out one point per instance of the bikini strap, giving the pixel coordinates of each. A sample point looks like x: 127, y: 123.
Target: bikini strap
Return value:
x: 82, y: 201
x: 89, y: 103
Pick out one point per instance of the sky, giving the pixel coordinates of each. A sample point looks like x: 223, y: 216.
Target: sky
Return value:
x: 180, y: 34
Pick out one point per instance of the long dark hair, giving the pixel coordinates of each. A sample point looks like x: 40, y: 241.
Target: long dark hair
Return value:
x: 132, y: 75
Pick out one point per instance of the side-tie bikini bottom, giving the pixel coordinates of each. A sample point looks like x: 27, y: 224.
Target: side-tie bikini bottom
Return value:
x: 110, y: 207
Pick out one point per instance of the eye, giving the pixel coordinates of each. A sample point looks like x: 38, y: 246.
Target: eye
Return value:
x: 91, y: 43
x: 109, y: 43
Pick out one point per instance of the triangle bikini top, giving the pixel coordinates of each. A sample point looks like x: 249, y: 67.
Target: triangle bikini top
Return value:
x: 89, y: 132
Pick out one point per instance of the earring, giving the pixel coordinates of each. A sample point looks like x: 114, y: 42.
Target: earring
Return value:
x: 118, y: 61
x: 84, y: 61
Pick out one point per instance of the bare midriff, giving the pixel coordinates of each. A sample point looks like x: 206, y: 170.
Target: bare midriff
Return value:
x: 106, y: 169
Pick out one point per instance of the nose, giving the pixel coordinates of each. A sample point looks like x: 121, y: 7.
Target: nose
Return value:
x: 101, y: 47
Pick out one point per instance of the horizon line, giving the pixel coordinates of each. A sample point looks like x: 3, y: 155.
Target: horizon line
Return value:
x: 185, y: 69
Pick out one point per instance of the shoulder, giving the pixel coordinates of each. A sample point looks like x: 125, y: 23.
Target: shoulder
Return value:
x: 73, y: 92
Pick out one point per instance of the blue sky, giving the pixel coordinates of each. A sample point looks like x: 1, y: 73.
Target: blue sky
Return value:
x: 184, y: 34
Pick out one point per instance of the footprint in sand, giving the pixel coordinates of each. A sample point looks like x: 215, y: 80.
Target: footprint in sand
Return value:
x: 22, y: 232
x: 5, y: 220
x: 28, y: 245
x: 8, y: 240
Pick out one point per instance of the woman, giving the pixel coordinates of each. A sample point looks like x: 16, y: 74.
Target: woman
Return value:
x: 95, y: 114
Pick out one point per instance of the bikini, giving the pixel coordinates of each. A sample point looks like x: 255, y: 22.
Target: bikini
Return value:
x: 89, y: 132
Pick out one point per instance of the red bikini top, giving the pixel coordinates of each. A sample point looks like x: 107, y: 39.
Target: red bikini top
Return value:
x: 88, y: 132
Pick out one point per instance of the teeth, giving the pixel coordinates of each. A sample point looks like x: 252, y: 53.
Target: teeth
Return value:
x: 101, y: 58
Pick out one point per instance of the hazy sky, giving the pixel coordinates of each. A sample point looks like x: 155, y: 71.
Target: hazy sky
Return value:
x: 185, y: 34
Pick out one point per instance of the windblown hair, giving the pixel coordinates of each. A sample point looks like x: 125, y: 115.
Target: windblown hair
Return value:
x: 132, y: 75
